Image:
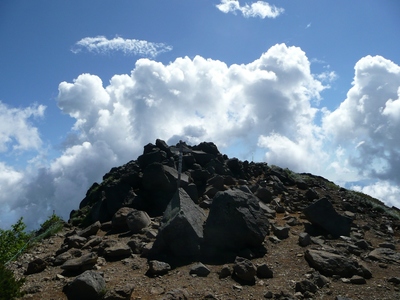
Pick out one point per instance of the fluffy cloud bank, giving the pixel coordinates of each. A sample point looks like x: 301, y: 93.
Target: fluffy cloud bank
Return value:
x: 259, y: 9
x: 16, y: 132
x: 102, y: 45
x: 367, y: 121
x: 269, y: 104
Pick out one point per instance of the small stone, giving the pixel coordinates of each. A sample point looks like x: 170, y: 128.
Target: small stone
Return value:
x: 305, y: 286
x: 200, y: 270
x: 268, y: 295
x: 387, y: 245
x: 244, y: 269
x: 357, y: 280
x: 158, y: 268
x: 304, y: 239
x: 226, y: 271
x: 263, y: 271
x: 395, y: 280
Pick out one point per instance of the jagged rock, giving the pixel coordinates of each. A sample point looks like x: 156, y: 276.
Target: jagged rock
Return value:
x: 207, y: 147
x: 119, y: 220
x: 162, y: 145
x: 322, y: 214
x: 137, y: 220
x: 216, y: 181
x: 191, y: 190
x: 235, y: 221
x: 281, y: 232
x: 114, y: 194
x: 320, y: 280
x: 200, y: 270
x: 264, y: 194
x: 119, y: 293
x: 93, y: 242
x: 385, y: 255
x: 151, y: 157
x: 90, y: 230
x: 355, y: 279
x: 234, y: 165
x: 75, y: 241
x: 362, y: 244
x: 62, y: 258
x: 301, y: 184
x: 244, y: 269
x: 225, y: 271
x: 263, y: 271
x: 176, y: 294
x: 158, y: 268
x: 83, y: 263
x: 387, y: 245
x: 181, y: 230
x: 330, y: 264
x: 117, y: 251
x: 305, y: 286
x: 394, y: 280
x: 311, y: 194
x: 292, y: 221
x: 304, y: 239
x: 202, y: 158
x: 90, y: 285
x: 36, y: 266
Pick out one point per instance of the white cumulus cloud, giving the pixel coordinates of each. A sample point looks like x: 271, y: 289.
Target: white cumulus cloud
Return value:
x: 266, y: 105
x: 259, y: 9
x: 367, y: 121
x: 16, y: 129
x: 102, y: 45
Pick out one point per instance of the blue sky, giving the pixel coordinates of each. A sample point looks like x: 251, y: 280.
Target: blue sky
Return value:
x: 309, y: 85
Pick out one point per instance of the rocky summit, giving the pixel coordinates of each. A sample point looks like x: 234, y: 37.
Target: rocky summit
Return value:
x: 187, y: 222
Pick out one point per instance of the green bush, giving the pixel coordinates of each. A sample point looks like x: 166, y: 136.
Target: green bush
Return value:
x: 9, y: 286
x: 50, y: 227
x: 12, y: 241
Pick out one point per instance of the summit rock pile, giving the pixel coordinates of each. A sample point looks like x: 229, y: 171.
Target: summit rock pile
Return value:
x: 222, y: 229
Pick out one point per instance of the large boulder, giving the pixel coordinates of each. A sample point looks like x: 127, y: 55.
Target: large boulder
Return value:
x: 236, y: 221
x: 137, y: 220
x: 322, y: 214
x: 385, y: 255
x: 80, y: 264
x: 330, y: 264
x: 119, y: 220
x: 90, y: 285
x: 181, y: 230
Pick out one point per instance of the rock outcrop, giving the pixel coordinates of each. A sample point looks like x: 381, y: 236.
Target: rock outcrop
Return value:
x: 241, y: 229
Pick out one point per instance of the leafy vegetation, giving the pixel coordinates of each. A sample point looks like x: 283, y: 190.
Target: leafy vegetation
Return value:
x: 374, y: 204
x: 49, y: 227
x: 13, y: 240
x: 9, y: 286
x: 12, y: 243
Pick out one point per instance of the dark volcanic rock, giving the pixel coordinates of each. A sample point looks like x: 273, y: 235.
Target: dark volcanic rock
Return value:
x: 181, y: 230
x: 90, y: 285
x: 235, y: 221
x: 385, y: 255
x: 158, y: 268
x: 136, y: 220
x: 330, y: 264
x: 83, y: 263
x: 36, y: 266
x: 322, y: 214
x: 244, y: 269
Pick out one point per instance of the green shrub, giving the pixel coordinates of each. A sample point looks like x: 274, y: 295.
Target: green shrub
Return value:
x: 9, y: 286
x: 13, y: 241
x: 50, y: 227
